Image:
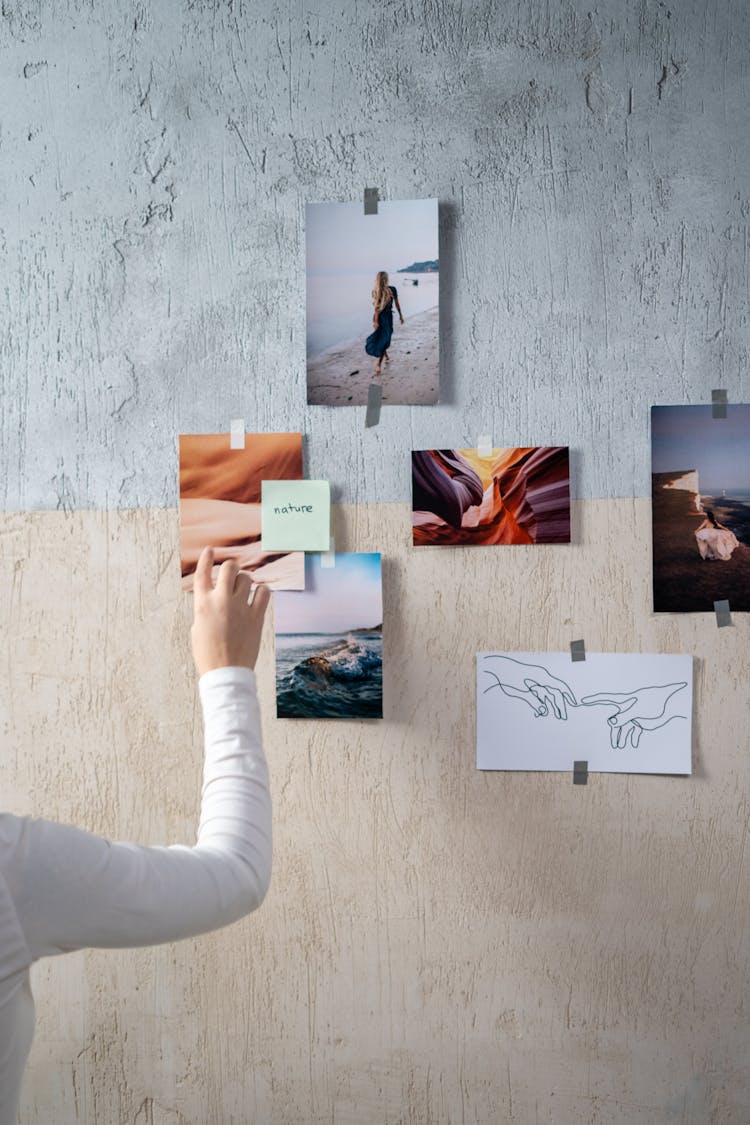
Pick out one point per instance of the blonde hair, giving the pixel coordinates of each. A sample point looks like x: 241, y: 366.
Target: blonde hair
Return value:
x: 381, y: 294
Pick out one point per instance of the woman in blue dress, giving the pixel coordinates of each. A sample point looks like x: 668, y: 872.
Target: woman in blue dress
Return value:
x: 384, y: 296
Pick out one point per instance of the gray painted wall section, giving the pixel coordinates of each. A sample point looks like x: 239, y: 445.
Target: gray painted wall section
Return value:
x: 593, y: 173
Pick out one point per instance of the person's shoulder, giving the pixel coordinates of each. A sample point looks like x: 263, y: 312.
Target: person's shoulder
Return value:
x: 393, y: 290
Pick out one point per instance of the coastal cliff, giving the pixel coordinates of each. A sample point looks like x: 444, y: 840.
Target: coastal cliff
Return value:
x: 684, y: 482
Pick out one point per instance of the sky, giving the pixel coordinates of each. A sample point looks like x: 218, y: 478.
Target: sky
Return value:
x: 689, y: 437
x: 345, y: 596
x: 341, y: 239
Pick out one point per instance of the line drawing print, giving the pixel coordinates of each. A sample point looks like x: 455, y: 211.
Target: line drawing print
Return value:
x: 643, y: 709
x: 535, y: 686
x: 647, y: 708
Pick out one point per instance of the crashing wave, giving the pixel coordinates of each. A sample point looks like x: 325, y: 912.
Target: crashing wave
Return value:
x: 347, y: 660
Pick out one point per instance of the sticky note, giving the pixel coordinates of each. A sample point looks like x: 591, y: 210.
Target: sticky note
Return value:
x: 295, y: 515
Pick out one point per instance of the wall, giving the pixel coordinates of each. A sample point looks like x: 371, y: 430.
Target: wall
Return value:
x: 438, y: 945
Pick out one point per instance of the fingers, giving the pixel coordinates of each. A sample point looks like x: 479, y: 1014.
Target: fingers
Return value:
x: 231, y: 581
x: 541, y: 710
x: 551, y: 697
x: 228, y: 572
x: 243, y: 588
x: 612, y: 697
x: 202, y: 583
x: 558, y: 703
x: 243, y: 584
x: 621, y: 734
x: 261, y: 598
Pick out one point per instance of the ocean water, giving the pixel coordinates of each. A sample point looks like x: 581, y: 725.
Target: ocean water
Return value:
x: 732, y: 511
x: 740, y: 494
x: 339, y: 308
x: 329, y: 675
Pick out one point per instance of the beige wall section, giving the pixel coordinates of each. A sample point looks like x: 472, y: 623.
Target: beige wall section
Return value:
x: 438, y: 945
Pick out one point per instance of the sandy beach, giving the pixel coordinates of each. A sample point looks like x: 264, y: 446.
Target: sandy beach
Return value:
x: 342, y: 374
x: 683, y: 582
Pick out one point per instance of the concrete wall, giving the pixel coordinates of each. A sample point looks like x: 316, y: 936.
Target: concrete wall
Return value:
x: 439, y: 945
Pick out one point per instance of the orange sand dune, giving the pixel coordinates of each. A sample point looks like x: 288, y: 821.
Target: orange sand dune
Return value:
x: 220, y: 490
x: 210, y: 469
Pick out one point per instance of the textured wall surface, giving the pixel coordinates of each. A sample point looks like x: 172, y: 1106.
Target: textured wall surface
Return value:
x: 592, y: 170
x: 439, y: 945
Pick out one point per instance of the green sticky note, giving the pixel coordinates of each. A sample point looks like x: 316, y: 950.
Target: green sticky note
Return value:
x: 295, y: 515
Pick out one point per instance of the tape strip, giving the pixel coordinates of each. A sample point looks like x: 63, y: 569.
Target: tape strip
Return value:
x: 328, y: 558
x: 237, y: 433
x: 484, y: 445
x: 723, y: 614
x: 719, y: 403
x: 580, y: 773
x: 371, y: 201
x: 374, y: 399
x: 577, y: 650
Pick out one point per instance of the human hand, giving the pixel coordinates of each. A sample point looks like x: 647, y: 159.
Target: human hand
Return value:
x: 533, y: 685
x: 226, y: 629
x: 644, y: 709
x: 402, y: 320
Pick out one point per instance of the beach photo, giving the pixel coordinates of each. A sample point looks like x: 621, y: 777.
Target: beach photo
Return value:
x: 700, y: 511
x: 373, y: 286
x: 462, y: 498
x: 329, y: 641
x: 220, y: 504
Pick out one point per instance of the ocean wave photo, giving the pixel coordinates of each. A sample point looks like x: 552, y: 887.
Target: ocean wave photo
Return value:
x: 329, y: 643
x: 329, y: 676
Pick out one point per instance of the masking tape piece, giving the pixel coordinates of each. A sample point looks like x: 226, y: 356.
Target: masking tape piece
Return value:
x: 719, y: 403
x: 484, y: 445
x: 577, y: 650
x: 580, y: 773
x: 371, y: 201
x: 374, y: 399
x: 723, y: 614
x: 237, y: 433
x: 328, y: 558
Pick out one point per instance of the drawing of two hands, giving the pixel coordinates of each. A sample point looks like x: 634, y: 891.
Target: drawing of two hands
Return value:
x: 644, y: 709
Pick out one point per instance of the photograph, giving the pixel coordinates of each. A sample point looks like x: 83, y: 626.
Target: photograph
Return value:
x: 372, y: 302
x: 621, y: 712
x: 220, y: 504
x: 462, y: 499
x: 329, y: 641
x: 700, y: 509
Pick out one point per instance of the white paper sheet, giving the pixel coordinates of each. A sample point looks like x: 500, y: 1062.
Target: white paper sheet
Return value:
x: 622, y: 713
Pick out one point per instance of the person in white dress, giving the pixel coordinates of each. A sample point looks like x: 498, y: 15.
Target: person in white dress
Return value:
x: 714, y: 540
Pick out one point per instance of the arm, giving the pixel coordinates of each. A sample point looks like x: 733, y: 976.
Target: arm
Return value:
x: 398, y: 306
x: 75, y: 889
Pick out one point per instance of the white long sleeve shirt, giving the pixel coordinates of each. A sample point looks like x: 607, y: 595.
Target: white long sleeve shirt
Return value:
x: 63, y: 889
